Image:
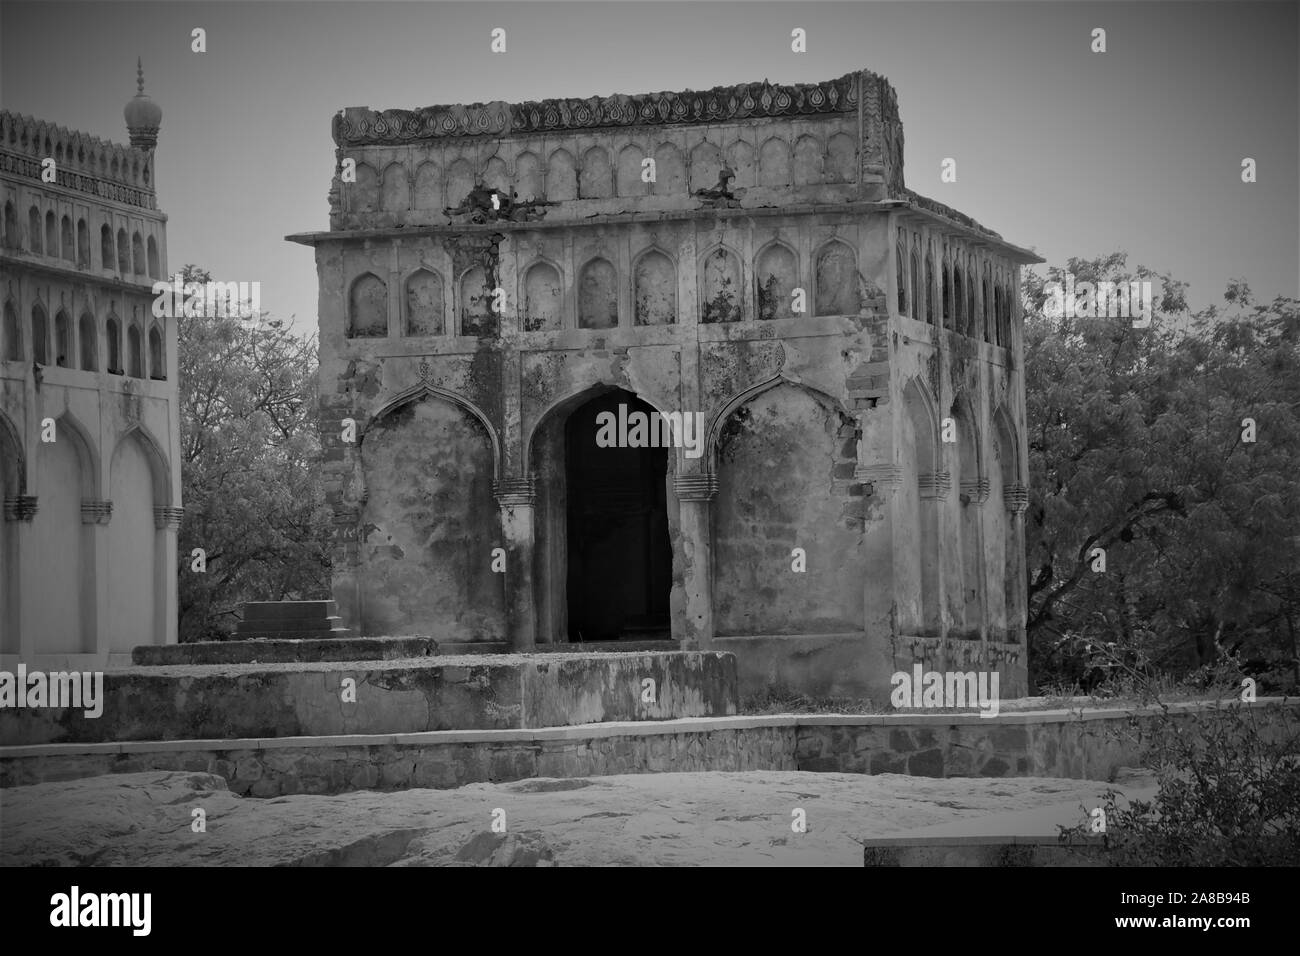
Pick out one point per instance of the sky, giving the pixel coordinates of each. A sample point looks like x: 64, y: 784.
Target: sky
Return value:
x: 1062, y: 150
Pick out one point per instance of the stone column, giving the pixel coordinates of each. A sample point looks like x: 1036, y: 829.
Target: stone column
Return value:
x: 97, y: 512
x: 694, y: 492
x: 167, y: 521
x: 882, y: 548
x: 973, y: 493
x: 20, y: 509
x: 933, y: 489
x: 1016, y: 499
x: 516, y: 497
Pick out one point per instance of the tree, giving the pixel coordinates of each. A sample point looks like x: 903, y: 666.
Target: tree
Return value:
x: 249, y: 454
x: 1138, y: 446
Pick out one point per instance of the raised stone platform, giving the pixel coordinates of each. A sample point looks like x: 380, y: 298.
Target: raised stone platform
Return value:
x: 290, y: 620
x: 285, y: 652
x: 182, y: 702
x: 1087, y: 745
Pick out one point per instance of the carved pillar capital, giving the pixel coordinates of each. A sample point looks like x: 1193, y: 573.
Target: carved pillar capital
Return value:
x: 936, y: 484
x: 975, y: 491
x: 168, y: 519
x: 20, y: 507
x: 1016, y: 497
x: 700, y: 487
x: 510, y: 492
x: 882, y: 478
x: 96, y: 511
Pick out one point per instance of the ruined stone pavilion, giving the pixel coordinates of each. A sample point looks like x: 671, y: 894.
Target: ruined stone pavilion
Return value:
x: 497, y: 275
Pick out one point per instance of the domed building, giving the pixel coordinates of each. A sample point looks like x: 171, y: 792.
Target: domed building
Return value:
x: 89, y: 410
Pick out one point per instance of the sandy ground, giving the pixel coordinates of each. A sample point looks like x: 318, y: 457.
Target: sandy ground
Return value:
x: 668, y: 819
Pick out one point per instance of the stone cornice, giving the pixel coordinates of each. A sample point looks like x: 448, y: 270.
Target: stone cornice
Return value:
x: 360, y: 126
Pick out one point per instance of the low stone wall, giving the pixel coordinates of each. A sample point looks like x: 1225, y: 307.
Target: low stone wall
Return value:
x: 1066, y: 744
x: 391, y: 697
x: 285, y: 651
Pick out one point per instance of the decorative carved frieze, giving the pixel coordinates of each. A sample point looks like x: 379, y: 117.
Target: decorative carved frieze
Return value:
x: 167, y: 519
x: 699, y: 487
x: 935, y: 485
x: 20, y: 507
x: 1016, y: 497
x: 360, y: 127
x: 96, y: 511
x: 515, y: 491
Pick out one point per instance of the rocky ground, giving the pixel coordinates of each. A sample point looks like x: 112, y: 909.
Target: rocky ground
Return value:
x: 667, y: 819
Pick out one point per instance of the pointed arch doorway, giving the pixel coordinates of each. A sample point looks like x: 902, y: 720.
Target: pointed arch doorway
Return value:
x: 603, y: 543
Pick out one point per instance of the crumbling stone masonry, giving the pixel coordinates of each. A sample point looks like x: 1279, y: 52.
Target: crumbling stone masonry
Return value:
x: 497, y: 275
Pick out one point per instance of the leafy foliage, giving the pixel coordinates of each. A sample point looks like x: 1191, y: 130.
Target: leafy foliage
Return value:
x: 1136, y: 447
x: 249, y: 450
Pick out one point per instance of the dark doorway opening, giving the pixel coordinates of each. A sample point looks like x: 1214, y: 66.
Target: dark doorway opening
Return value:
x: 619, y: 555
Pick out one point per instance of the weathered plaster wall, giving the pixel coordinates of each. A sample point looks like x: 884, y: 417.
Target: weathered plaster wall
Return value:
x: 427, y: 526
x: 779, y: 459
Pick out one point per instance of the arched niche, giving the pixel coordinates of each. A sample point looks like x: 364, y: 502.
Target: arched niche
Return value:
x: 476, y: 299
x: 598, y: 295
x: 720, y: 286
x: 809, y: 161
x: 425, y: 304
x: 496, y: 176
x: 367, y: 307
x: 597, y: 179
x: 428, y: 186
x: 836, y: 291
x: 706, y: 162
x: 654, y: 289
x: 460, y: 180
x: 528, y: 176
x: 396, y: 195
x: 670, y: 171
x: 776, y: 276
x: 543, y: 298
x: 740, y: 158
x: 774, y: 163
x: 630, y: 166
x: 841, y: 159
x: 364, y: 193
x: 561, y: 176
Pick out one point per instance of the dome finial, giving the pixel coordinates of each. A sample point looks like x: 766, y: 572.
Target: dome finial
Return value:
x: 142, y: 114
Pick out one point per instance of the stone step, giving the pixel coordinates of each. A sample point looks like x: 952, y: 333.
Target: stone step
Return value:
x: 180, y: 702
x: 289, y: 610
x: 334, y: 623
x: 295, y: 650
